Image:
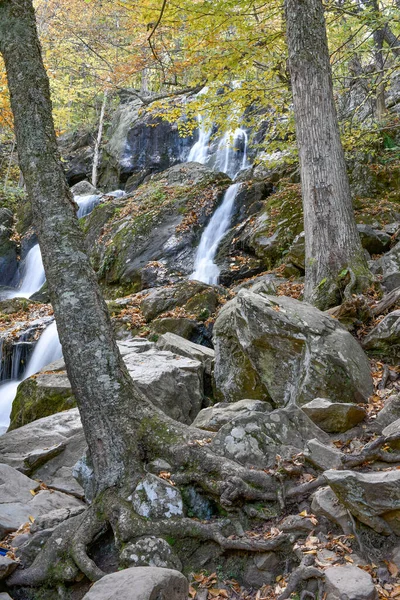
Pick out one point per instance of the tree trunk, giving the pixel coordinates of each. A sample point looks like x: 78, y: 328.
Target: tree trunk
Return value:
x: 335, y: 261
x: 99, y: 378
x: 96, y: 154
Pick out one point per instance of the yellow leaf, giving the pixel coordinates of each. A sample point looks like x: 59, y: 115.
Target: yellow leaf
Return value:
x: 33, y: 492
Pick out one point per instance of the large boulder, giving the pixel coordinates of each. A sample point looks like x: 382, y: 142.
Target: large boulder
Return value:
x: 334, y: 417
x: 283, y: 350
x: 8, y: 248
x: 254, y: 440
x: 349, y: 582
x: 384, y: 338
x: 140, y: 583
x: 374, y: 498
x: 214, y: 417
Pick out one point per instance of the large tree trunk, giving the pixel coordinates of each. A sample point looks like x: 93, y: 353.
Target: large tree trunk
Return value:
x: 334, y: 256
x: 99, y: 379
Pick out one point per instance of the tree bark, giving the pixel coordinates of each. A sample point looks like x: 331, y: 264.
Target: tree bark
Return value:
x: 96, y: 154
x: 99, y: 378
x: 335, y: 261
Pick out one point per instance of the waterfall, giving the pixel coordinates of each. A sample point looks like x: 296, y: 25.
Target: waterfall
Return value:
x: 231, y: 156
x: 47, y: 350
x: 33, y: 276
x: 205, y: 268
x: 200, y: 150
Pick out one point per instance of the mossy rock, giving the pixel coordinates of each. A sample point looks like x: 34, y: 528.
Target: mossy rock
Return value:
x: 40, y: 396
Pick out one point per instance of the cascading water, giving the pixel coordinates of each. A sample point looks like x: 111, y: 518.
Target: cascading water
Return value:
x: 200, y: 150
x: 33, y: 276
x: 47, y: 350
x: 231, y: 154
x: 205, y: 268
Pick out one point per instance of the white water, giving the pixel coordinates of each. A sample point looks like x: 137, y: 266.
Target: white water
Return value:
x: 47, y: 350
x: 200, y: 150
x: 33, y: 276
x: 228, y: 158
x: 205, y: 268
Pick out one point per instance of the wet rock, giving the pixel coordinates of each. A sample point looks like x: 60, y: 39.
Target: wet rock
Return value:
x: 334, y: 417
x: 83, y: 188
x: 140, y: 583
x: 349, y: 582
x: 373, y: 240
x: 384, y: 339
x: 7, y: 566
x: 155, y: 498
x: 389, y: 267
x: 373, y: 498
x: 214, y: 417
x: 283, y: 350
x: 327, y: 504
x: 150, y: 552
x: 255, y: 440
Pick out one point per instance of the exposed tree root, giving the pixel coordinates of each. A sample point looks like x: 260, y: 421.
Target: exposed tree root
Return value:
x: 306, y: 570
x: 373, y: 451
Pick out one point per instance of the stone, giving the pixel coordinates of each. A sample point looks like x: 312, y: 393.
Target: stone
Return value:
x: 214, y: 417
x: 389, y: 413
x: 7, y: 566
x: 5, y: 596
x: 83, y: 188
x: 150, y: 551
x: 64, y: 428
x: 161, y: 300
x: 393, y: 429
x: 327, y: 504
x: 178, y: 345
x: 384, y: 338
x: 140, y: 583
x: 51, y: 519
x: 296, y: 252
x: 282, y: 350
x: 349, y: 582
x: 370, y: 497
x: 8, y: 248
x: 14, y: 486
x: 256, y: 439
x: 373, y: 240
x: 323, y: 456
x: 155, y: 498
x: 334, y: 417
x: 389, y: 267
x: 261, y: 569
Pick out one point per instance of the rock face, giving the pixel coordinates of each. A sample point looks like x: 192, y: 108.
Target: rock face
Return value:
x: 8, y: 248
x: 349, y: 582
x: 384, y: 339
x: 334, y: 417
x: 148, y: 238
x: 389, y: 267
x: 283, y: 350
x: 374, y: 498
x: 139, y: 144
x: 141, y: 583
x: 256, y: 439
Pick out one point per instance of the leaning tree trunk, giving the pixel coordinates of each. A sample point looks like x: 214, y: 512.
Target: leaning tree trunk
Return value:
x: 335, y: 261
x: 99, y: 378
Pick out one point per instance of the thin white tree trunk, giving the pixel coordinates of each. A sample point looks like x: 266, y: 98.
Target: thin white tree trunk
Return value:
x: 96, y: 155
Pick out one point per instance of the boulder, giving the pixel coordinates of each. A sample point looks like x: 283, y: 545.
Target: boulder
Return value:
x: 83, y: 188
x: 178, y: 345
x: 7, y: 566
x: 155, y: 498
x: 389, y: 413
x: 283, y: 350
x: 296, y: 252
x: 140, y: 583
x: 393, y: 429
x: 334, y: 417
x: 327, y: 504
x: 373, y: 498
x: 323, y: 456
x: 63, y: 430
x: 214, y: 417
x: 150, y: 551
x: 373, y: 240
x: 349, y: 582
x: 256, y: 439
x: 389, y: 267
x: 384, y: 338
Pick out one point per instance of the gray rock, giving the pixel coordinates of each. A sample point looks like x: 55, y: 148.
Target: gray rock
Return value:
x: 349, y: 582
x: 214, y: 417
x: 296, y: 252
x: 14, y: 486
x: 327, y: 504
x: 178, y: 345
x: 63, y: 428
x: 374, y: 498
x: 261, y: 569
x: 140, y: 583
x: 255, y: 440
x: 393, y: 429
x: 384, y: 338
x: 7, y: 566
x: 334, y: 417
x: 54, y: 517
x: 150, y: 551
x: 5, y: 596
x: 389, y: 413
x: 389, y: 267
x: 155, y: 498
x: 83, y: 188
x: 373, y: 240
x: 288, y: 351
x: 323, y: 456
